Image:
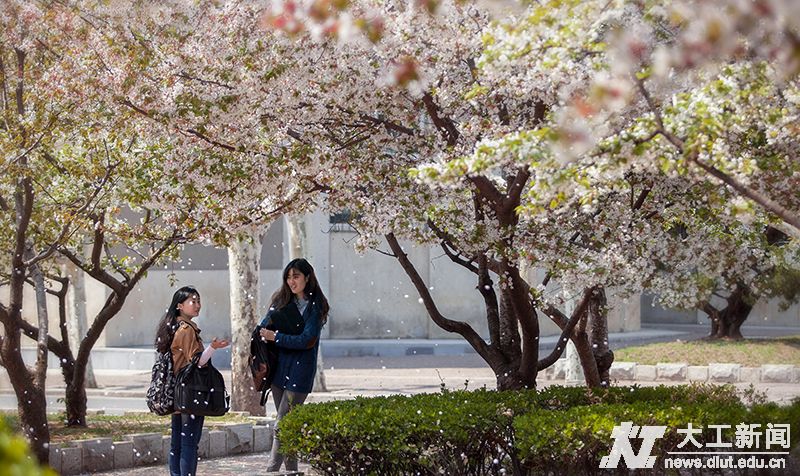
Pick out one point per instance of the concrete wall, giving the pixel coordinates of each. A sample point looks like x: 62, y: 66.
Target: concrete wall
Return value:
x: 201, y: 266
x: 655, y: 314
x: 768, y: 313
x: 372, y: 297
x: 136, y: 323
x: 765, y: 313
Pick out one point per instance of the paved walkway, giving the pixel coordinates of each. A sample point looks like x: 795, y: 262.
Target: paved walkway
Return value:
x: 245, y: 465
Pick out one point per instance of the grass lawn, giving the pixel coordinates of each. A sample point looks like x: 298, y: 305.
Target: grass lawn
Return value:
x: 749, y: 352
x: 115, y: 427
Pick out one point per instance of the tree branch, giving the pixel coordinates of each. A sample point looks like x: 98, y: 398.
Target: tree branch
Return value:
x: 487, y: 189
x: 206, y: 82
x: 566, y: 326
x: 789, y: 216
x: 446, y: 126
x: 513, y: 196
x: 114, y: 262
x: 449, y: 325
x: 768, y: 204
x: 211, y: 141
x: 65, y: 230
x: 447, y: 245
x: 486, y: 288
x: 55, y: 346
x: 389, y: 125
x: 97, y: 273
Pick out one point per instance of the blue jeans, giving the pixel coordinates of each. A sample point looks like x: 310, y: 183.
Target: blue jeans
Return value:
x: 186, y: 430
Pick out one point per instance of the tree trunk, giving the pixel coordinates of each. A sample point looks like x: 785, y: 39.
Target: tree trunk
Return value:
x: 75, y: 398
x: 31, y: 400
x: 598, y: 334
x: 727, y: 323
x: 76, y: 316
x: 507, y: 365
x: 32, y: 409
x: 506, y: 370
x: 296, y: 231
x: 40, y: 368
x: 510, y: 340
x: 508, y: 377
x: 737, y: 318
x: 584, y: 348
x: 75, y: 392
x: 298, y: 248
x: 731, y: 320
x: 244, y: 258
x: 514, y: 356
x: 29, y: 387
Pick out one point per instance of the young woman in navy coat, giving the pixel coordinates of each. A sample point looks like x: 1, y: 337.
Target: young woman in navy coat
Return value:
x: 297, y: 354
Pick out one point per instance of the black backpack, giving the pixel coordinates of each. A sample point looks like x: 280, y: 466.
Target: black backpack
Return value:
x: 263, y: 362
x: 161, y: 393
x: 264, y: 355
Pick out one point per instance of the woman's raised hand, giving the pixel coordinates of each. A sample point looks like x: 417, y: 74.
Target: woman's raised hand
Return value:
x: 219, y: 343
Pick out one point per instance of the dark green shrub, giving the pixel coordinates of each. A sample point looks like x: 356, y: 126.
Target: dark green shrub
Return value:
x: 559, y: 430
x: 767, y: 413
x: 559, y: 442
x: 453, y: 432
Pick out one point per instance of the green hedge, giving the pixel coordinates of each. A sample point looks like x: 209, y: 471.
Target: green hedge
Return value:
x: 15, y: 455
x: 554, y: 431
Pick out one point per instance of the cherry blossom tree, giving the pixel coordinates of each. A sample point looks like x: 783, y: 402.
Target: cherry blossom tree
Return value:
x: 433, y: 105
x: 486, y: 117
x: 63, y: 189
x: 86, y: 166
x: 686, y: 91
x: 43, y: 104
x: 206, y: 83
x: 693, y: 71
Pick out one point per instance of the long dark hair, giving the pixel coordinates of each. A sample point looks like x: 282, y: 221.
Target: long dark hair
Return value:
x: 284, y: 294
x: 169, y: 323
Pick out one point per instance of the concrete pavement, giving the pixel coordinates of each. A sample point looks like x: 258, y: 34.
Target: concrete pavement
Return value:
x: 142, y: 358
x: 401, y: 366
x: 252, y: 464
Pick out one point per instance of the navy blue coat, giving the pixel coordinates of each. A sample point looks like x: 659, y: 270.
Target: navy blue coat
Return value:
x: 297, y: 354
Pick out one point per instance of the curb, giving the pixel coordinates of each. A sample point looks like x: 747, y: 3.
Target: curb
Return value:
x: 683, y: 372
x: 146, y: 449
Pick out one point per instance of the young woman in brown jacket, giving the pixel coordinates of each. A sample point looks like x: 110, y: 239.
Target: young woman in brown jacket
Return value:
x: 176, y: 332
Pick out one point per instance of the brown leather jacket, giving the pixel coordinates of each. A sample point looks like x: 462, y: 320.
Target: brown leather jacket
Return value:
x: 185, y: 344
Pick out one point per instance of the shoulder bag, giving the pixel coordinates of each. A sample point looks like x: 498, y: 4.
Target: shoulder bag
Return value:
x: 201, y: 390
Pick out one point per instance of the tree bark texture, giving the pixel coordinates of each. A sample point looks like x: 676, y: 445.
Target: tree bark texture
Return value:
x: 580, y: 337
x: 28, y: 385
x: 76, y: 315
x: 31, y: 401
x: 504, y: 356
x: 598, y: 334
x: 726, y: 323
x: 40, y: 369
x: 244, y: 258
